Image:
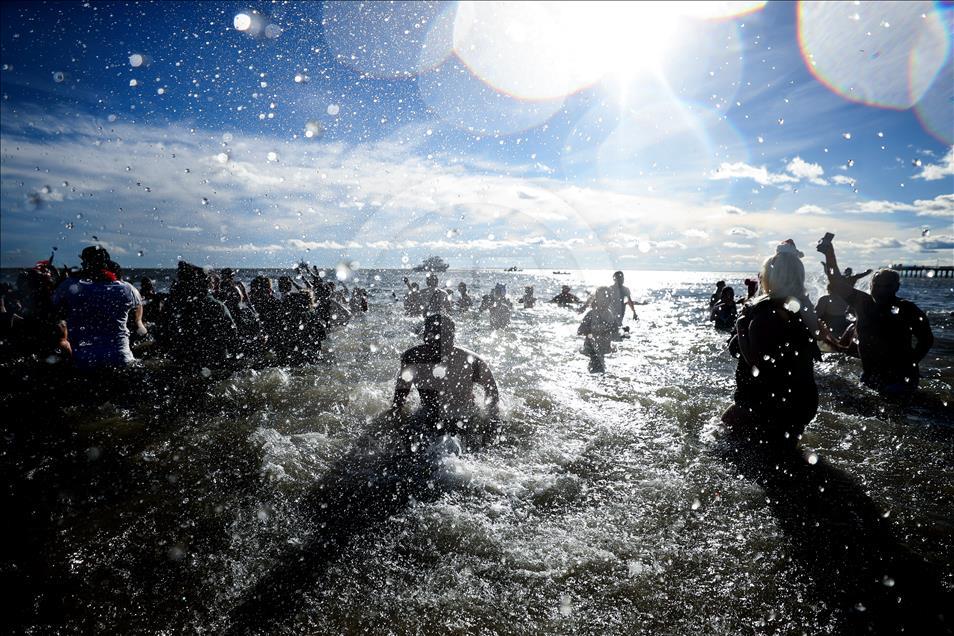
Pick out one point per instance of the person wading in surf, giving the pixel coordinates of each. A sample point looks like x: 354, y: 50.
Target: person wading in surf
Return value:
x: 445, y: 377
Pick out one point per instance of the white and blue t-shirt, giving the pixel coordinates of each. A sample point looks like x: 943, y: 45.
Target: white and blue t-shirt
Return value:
x: 96, y: 315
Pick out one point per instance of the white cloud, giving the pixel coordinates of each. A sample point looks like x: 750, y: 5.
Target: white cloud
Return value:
x: 737, y: 246
x: 881, y: 207
x: 931, y: 243
x: 941, y: 206
x: 733, y: 210
x: 741, y: 170
x: 802, y: 169
x: 875, y: 244
x: 797, y: 170
x: 810, y: 209
x: 841, y: 179
x: 744, y: 232
x: 695, y: 233
x: 937, y: 171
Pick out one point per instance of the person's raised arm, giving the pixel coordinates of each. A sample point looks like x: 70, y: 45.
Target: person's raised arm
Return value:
x: 831, y: 263
x: 485, y: 378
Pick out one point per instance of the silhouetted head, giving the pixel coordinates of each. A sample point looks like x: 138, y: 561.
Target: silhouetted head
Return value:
x: 885, y: 285
x: 261, y: 285
x: 415, y: 287
x: 728, y: 294
x: 284, y: 284
x: 228, y: 274
x: 720, y: 284
x: 565, y: 289
x: 439, y: 331
x: 500, y: 290
x: 462, y: 287
x: 601, y: 298
x: 94, y: 258
x: 147, y: 287
x: 618, y: 278
x: 191, y: 280
x: 528, y: 290
x: 431, y: 279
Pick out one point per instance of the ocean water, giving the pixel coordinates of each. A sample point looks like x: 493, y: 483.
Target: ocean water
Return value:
x: 277, y: 500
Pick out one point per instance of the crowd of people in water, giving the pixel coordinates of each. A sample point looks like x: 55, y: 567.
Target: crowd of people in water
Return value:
x: 778, y: 333
x: 92, y: 318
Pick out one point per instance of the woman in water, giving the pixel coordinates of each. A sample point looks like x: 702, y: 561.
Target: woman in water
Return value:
x: 775, y: 395
x: 599, y: 326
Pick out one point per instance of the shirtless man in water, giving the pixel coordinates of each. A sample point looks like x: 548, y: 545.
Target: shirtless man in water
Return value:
x: 445, y: 377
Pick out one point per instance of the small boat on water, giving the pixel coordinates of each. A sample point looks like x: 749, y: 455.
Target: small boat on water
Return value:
x: 562, y: 273
x: 432, y: 264
x: 513, y: 268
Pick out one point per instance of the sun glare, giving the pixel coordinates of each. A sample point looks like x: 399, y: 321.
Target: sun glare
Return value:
x: 545, y: 50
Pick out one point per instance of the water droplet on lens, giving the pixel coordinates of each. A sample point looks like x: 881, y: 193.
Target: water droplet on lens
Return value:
x: 242, y: 22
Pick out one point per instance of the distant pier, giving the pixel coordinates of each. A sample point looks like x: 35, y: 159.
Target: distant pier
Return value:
x: 924, y: 271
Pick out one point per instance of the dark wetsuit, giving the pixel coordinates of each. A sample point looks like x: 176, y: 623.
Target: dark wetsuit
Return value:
x: 724, y: 315
x: 778, y: 394
x: 884, y: 331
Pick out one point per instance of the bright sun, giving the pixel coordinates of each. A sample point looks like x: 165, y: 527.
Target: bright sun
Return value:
x: 546, y: 50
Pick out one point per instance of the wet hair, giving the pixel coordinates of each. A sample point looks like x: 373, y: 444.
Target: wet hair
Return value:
x: 565, y: 288
x: 191, y: 280
x: 94, y: 257
x: 783, y: 276
x: 720, y: 283
x: 728, y: 293
x: 439, y: 328
x: 601, y: 298
x: 431, y: 279
x: 260, y: 284
x: 618, y: 275
x: 885, y: 280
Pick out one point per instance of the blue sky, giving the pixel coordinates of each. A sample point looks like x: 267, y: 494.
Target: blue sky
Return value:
x: 598, y: 135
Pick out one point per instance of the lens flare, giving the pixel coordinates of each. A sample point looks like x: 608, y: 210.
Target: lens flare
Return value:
x: 385, y: 39
x: 545, y: 50
x: 883, y: 54
x: 935, y: 110
x: 459, y: 98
